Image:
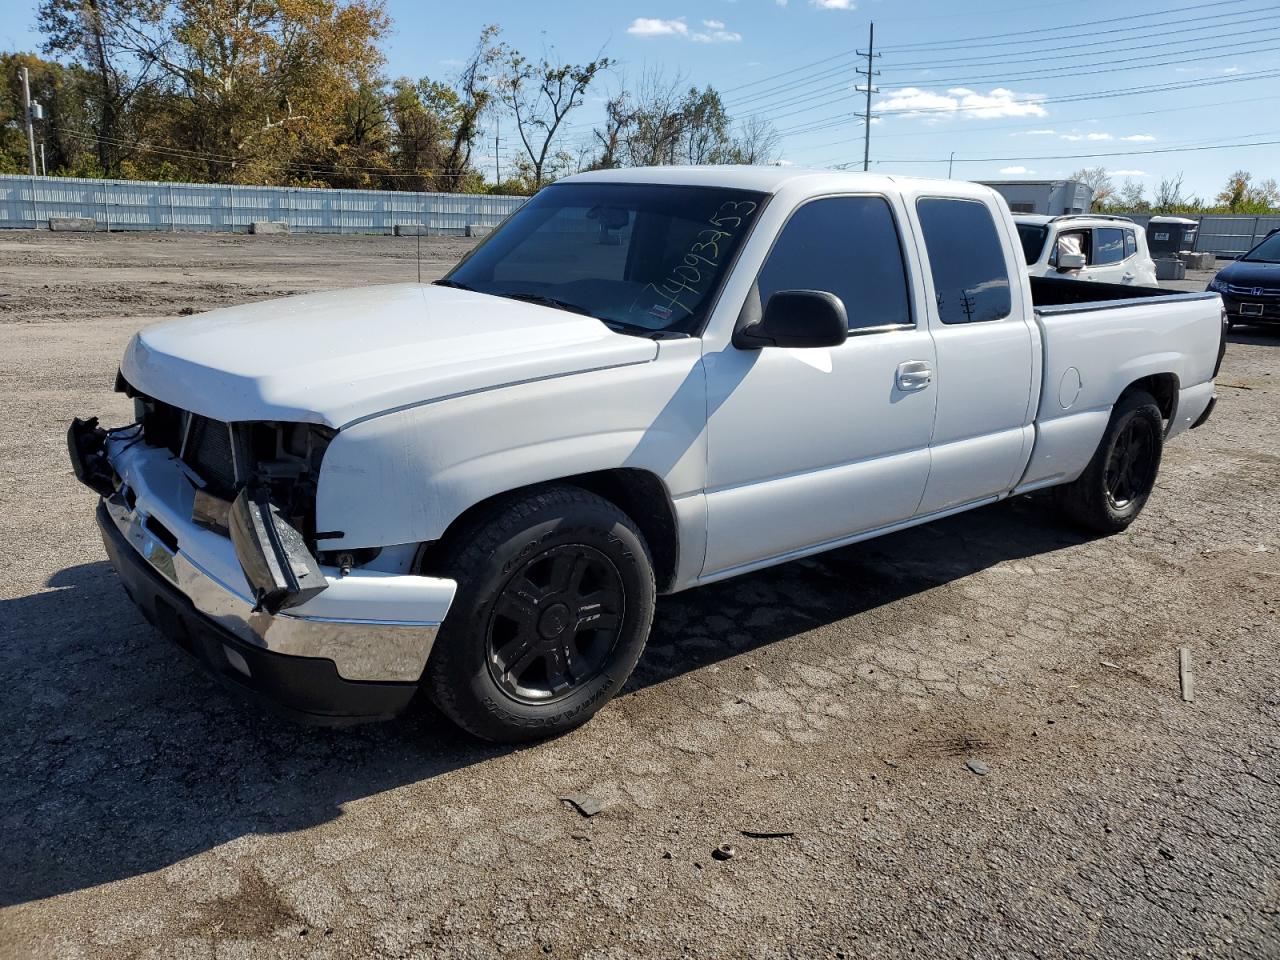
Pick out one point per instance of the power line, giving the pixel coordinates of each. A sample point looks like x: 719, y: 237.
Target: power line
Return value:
x: 1147, y: 36
x: 313, y: 168
x: 1023, y: 40
x: 1092, y: 156
x: 821, y: 95
x: 990, y: 59
x: 964, y: 43
x: 1057, y: 120
x: 824, y: 123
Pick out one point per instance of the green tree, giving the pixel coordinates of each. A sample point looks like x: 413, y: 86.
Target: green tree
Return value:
x: 1242, y: 195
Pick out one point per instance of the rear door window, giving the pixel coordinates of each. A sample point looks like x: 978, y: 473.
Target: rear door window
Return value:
x: 966, y: 258
x: 1130, y: 243
x: 1108, y: 245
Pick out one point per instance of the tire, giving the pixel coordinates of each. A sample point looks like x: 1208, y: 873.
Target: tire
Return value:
x: 554, y: 603
x: 1114, y: 487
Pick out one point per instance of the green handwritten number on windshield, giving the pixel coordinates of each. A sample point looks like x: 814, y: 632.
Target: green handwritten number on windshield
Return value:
x: 703, y: 259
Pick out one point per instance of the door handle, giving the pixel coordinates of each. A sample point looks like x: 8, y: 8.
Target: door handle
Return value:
x: 914, y: 375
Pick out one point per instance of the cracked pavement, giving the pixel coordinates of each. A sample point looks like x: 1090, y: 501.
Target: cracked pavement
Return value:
x: 838, y: 699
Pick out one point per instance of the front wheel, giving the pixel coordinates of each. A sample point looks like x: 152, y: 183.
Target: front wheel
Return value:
x: 555, y: 598
x: 1115, y: 485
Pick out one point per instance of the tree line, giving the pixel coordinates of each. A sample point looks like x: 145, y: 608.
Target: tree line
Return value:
x: 293, y: 92
x: 1241, y: 194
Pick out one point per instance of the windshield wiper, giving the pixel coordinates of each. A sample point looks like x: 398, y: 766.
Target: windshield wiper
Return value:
x: 454, y: 284
x: 543, y: 300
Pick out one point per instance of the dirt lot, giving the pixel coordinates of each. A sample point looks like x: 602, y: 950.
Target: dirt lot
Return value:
x: 838, y: 700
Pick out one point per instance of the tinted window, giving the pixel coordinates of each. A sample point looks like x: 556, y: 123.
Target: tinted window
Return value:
x: 1108, y: 245
x: 1032, y: 237
x: 1130, y: 243
x: 649, y: 257
x: 969, y: 276
x: 847, y: 246
x: 1268, y: 251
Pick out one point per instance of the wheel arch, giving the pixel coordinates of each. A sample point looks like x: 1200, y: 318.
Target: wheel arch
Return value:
x: 1163, y: 387
x: 638, y: 493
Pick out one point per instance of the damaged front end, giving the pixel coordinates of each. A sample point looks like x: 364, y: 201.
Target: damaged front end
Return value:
x: 211, y: 527
x: 254, y: 482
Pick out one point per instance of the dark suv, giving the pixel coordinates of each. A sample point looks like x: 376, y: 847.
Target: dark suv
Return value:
x: 1250, y: 287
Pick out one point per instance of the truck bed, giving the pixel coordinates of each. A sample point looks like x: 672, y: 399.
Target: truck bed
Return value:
x: 1098, y: 338
x: 1053, y: 295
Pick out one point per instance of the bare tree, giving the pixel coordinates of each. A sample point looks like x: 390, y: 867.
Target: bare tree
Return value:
x: 756, y: 142
x: 1099, y: 180
x: 540, y: 95
x: 117, y: 41
x: 1169, y: 194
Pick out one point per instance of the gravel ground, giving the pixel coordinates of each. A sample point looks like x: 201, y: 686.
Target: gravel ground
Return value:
x: 838, y: 700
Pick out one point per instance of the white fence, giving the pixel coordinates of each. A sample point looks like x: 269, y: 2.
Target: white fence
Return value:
x: 222, y: 208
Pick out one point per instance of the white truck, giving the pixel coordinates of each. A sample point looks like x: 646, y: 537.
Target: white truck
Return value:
x: 1086, y: 246
x: 643, y: 381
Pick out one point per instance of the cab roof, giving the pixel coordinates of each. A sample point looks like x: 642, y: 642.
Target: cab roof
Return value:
x: 766, y: 179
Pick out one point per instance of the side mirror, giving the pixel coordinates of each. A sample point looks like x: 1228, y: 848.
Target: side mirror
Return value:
x: 1071, y: 261
x: 797, y: 318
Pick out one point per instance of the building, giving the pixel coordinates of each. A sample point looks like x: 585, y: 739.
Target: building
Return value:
x: 1051, y: 197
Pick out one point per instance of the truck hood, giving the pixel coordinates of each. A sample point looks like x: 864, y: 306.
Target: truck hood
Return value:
x: 345, y: 355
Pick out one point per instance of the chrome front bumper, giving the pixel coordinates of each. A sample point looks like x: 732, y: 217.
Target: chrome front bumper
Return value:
x: 373, y: 625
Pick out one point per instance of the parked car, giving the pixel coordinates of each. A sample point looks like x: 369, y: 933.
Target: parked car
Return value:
x: 1250, y: 287
x: 644, y: 381
x: 1086, y: 247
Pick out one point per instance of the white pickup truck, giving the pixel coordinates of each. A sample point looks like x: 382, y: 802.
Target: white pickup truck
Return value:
x: 644, y: 381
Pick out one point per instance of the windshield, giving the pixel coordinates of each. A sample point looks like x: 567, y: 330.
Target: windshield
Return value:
x: 1032, y: 236
x: 641, y: 257
x: 1268, y: 251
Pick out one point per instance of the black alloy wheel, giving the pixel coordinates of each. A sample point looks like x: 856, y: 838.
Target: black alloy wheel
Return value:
x: 555, y: 623
x: 1132, y: 464
x: 1115, y: 486
x: 554, y: 602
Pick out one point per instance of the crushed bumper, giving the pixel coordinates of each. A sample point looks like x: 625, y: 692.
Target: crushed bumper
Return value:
x: 356, y: 649
x: 307, y: 688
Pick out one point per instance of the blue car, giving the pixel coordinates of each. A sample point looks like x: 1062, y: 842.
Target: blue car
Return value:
x: 1250, y: 286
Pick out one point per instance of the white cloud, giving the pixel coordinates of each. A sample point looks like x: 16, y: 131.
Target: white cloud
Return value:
x: 1015, y: 170
x: 1073, y: 137
x: 834, y: 4
x: 912, y: 101
x: 781, y: 3
x: 715, y: 31
x: 1127, y: 173
x: 1041, y: 133
x: 1139, y: 138
x: 651, y: 27
x: 716, y: 36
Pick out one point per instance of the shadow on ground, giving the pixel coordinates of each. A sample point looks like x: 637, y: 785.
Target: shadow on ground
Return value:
x: 121, y: 757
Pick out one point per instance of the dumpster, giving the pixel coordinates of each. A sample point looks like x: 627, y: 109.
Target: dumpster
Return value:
x: 1169, y: 236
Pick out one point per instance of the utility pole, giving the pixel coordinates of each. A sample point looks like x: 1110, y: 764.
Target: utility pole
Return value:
x: 868, y: 73
x: 43, y: 170
x: 497, y: 167
x: 26, y: 109
x: 949, y: 163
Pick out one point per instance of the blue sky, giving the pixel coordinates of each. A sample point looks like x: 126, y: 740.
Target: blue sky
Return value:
x: 1023, y: 84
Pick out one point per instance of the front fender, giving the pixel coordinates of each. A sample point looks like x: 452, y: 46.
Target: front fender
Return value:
x: 405, y: 476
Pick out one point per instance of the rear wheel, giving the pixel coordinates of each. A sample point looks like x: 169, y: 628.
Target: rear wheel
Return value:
x: 555, y: 599
x: 1115, y: 485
